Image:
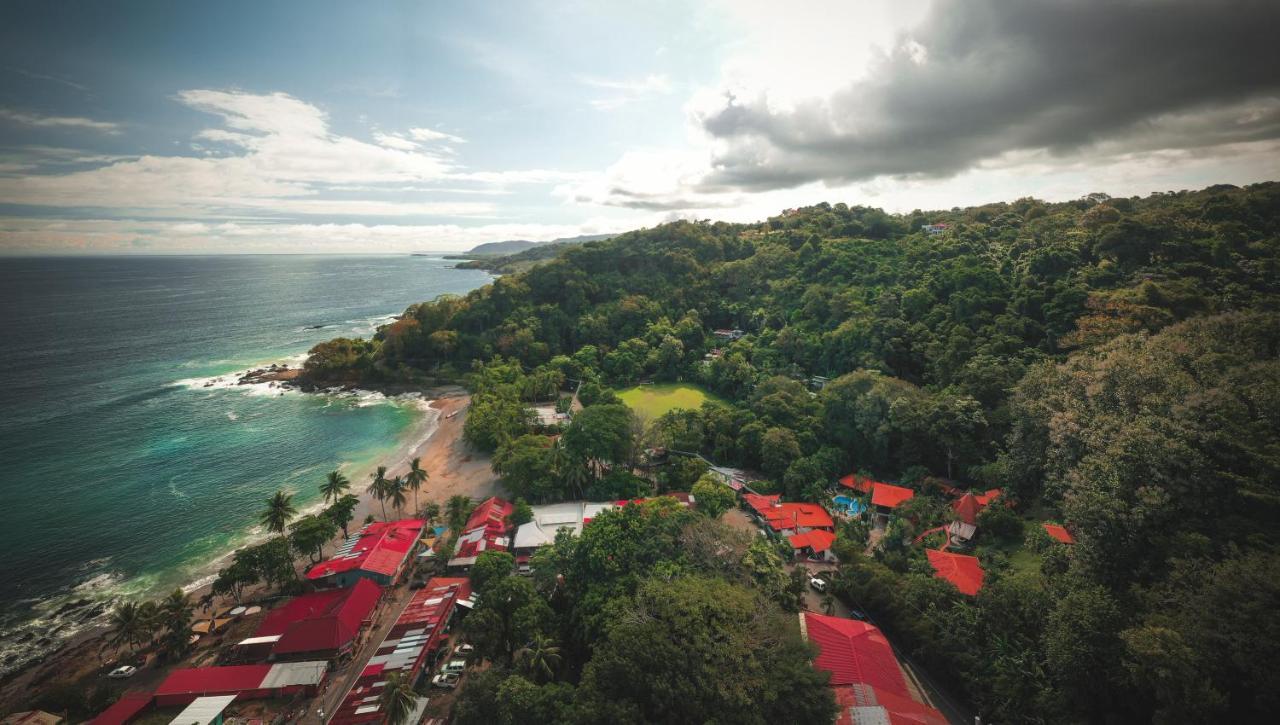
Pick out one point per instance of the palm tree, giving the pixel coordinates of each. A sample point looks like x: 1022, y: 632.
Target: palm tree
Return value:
x: 379, y: 488
x: 395, y: 494
x: 335, y: 484
x: 278, y: 512
x: 416, y: 477
x: 577, y: 476
x: 397, y: 699
x: 431, y: 512
x: 128, y: 623
x: 558, y: 457
x: 540, y: 657
x: 828, y: 604
x: 174, y: 614
x: 456, y: 510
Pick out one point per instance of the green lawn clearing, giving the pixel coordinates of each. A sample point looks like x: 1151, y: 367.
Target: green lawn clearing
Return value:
x: 651, y: 401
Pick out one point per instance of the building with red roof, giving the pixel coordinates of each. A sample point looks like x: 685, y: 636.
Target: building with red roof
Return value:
x: 990, y: 495
x: 789, y: 518
x: 963, y: 571
x: 1059, y: 533
x: 246, y: 682
x: 486, y: 530
x: 858, y: 483
x: 320, y: 625
x: 865, y: 676
x: 411, y: 647
x: 125, y: 710
x: 815, y: 544
x: 886, y: 496
x: 379, y: 552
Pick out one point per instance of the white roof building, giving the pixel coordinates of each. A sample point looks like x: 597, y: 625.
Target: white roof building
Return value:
x: 203, y: 710
x: 548, y: 520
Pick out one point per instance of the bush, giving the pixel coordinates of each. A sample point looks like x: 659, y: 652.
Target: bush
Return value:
x: 1001, y: 523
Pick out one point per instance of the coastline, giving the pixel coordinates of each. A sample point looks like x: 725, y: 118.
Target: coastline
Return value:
x: 452, y: 467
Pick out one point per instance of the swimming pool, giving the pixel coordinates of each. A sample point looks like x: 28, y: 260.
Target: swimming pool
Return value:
x: 852, y: 506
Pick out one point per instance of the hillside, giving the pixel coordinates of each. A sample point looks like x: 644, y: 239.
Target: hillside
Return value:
x: 1108, y: 363
x: 517, y: 253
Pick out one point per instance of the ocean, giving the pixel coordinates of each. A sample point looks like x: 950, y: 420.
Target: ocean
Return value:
x: 129, y: 465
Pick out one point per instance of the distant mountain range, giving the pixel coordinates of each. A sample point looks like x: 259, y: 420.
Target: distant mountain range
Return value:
x: 515, y: 246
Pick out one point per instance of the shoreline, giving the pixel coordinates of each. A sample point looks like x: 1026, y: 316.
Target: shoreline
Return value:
x: 452, y: 467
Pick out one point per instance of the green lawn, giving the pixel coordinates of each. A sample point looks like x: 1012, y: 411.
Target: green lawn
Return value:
x: 651, y: 401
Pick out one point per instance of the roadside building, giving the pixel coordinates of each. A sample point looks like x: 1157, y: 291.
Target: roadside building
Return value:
x: 378, y: 552
x: 320, y: 625
x: 204, y: 711
x: 814, y: 545
x: 866, y: 678
x: 412, y: 646
x: 244, y: 682
x: 964, y: 572
x: 486, y: 530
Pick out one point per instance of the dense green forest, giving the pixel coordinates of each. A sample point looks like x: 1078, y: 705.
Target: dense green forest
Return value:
x: 1112, y: 363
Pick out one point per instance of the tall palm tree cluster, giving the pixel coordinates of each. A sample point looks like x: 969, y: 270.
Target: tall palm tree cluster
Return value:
x: 166, y: 623
x: 393, y: 490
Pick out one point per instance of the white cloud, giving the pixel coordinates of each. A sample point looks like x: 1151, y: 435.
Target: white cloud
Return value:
x: 429, y: 134
x: 626, y: 91
x: 72, y: 122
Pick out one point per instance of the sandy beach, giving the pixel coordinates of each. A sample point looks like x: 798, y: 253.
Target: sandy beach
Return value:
x: 453, y: 469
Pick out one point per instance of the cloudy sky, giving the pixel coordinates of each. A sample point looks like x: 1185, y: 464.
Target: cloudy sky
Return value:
x: 398, y: 126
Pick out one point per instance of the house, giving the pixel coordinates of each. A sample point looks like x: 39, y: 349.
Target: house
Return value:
x: 125, y: 710
x: 788, y: 519
x: 814, y: 545
x: 857, y: 483
x: 934, y: 229
x: 204, y: 711
x: 320, y: 625
x: 866, y: 679
x: 886, y: 497
x: 724, y: 334
x: 548, y: 521
x: 964, y: 572
x: 244, y: 682
x: 379, y: 552
x: 1059, y: 533
x: 486, y: 530
x: 410, y: 648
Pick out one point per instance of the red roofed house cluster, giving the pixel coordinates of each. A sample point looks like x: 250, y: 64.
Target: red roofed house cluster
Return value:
x: 246, y: 682
x: 967, y: 508
x: 319, y: 625
x: 378, y: 552
x: 868, y: 683
x: 807, y: 526
x: 410, y: 648
x: 485, y: 530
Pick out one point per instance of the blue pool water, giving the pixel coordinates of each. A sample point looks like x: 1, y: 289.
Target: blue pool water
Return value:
x: 851, y: 505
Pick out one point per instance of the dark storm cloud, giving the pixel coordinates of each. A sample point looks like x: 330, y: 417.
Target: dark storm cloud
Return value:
x: 982, y: 77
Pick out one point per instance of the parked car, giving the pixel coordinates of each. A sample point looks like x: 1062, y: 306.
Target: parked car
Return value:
x: 454, y: 666
x: 124, y: 672
x: 818, y: 584
x: 463, y: 650
x: 447, y: 680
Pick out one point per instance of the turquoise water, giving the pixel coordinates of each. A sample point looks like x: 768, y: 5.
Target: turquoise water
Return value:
x: 852, y: 506
x: 130, y: 467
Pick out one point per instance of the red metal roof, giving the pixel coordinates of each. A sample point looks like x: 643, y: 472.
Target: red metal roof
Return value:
x: 381, y: 549
x: 761, y: 503
x: 873, y: 705
x: 1059, y: 533
x: 321, y: 621
x: 967, y: 508
x: 817, y: 540
x: 890, y: 496
x: 962, y: 571
x: 986, y: 498
x: 124, y: 710
x: 786, y: 516
x: 200, y: 681
x: 854, y: 652
x: 858, y: 483
x: 485, y: 530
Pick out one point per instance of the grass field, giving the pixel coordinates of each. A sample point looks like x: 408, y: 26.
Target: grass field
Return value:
x: 651, y: 401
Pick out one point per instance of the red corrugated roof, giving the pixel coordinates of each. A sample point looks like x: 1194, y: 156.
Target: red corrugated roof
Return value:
x: 381, y: 549
x: 761, y: 503
x: 786, y: 516
x: 817, y: 540
x: 124, y: 710
x: 963, y: 571
x: 890, y: 496
x: 858, y: 483
x: 854, y: 652
x: 986, y: 498
x: 485, y: 530
x: 213, y: 680
x: 331, y: 627
x: 900, y: 710
x: 1059, y: 533
x: 967, y: 508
